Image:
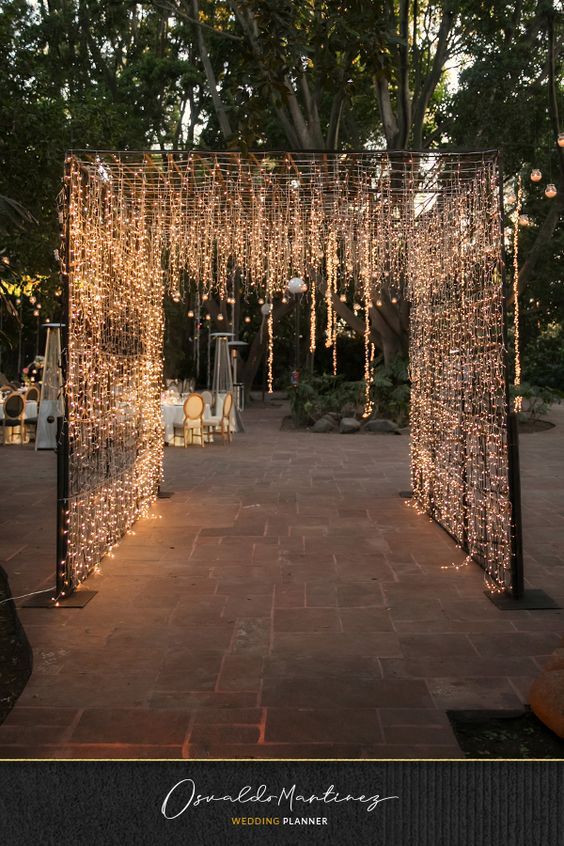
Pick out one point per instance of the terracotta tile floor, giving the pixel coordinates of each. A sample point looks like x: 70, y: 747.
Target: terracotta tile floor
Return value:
x: 288, y: 604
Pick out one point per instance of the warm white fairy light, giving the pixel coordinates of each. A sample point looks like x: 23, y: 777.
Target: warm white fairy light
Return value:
x: 518, y: 402
x: 460, y: 470
x: 354, y: 224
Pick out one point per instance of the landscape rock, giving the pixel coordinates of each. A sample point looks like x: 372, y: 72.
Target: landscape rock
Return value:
x: 348, y: 425
x: 546, y: 699
x: 381, y: 425
x: 348, y: 410
x: 324, y: 424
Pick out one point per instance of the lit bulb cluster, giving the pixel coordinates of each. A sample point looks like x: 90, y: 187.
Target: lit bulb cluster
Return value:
x: 355, y: 224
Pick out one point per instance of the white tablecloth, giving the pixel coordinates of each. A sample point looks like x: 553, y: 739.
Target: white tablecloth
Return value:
x: 173, y: 415
x: 30, y: 409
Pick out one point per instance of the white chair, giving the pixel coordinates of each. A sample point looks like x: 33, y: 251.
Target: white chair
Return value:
x: 212, y: 422
x: 207, y: 398
x: 193, y: 419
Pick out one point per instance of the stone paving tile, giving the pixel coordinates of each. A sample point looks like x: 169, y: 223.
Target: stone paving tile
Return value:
x: 303, y: 725
x: 131, y: 726
x: 284, y: 603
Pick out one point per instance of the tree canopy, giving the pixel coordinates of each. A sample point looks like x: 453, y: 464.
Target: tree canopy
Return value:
x: 319, y: 74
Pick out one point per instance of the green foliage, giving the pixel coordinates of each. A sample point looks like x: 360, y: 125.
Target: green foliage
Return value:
x: 543, y: 358
x: 391, y: 390
x: 535, y: 400
x: 318, y: 395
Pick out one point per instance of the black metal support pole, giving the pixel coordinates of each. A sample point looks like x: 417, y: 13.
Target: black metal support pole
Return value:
x: 517, y: 566
x: 297, y: 326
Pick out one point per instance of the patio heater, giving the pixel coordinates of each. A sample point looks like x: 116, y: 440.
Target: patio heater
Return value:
x: 51, y: 403
x: 223, y: 376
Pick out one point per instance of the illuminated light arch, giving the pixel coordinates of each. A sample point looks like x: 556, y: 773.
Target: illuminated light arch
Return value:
x: 424, y: 226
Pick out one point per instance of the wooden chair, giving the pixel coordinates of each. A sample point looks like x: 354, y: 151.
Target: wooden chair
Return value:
x: 14, y: 409
x: 32, y: 393
x: 193, y: 419
x: 226, y: 428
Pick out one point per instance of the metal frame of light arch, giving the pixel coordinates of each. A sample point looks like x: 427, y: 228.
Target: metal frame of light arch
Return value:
x: 63, y: 457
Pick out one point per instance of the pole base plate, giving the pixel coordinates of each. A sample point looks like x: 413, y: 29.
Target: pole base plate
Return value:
x: 78, y: 599
x: 532, y: 600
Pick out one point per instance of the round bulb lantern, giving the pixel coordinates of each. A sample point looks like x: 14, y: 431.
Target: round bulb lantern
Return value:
x: 247, y: 319
x: 343, y: 298
x: 208, y: 317
x: 550, y: 190
x: 190, y: 313
x: 220, y: 316
x: 296, y: 285
x: 536, y: 175
x: 511, y: 199
x: 561, y: 139
x: 265, y: 309
x: 524, y: 220
x: 379, y: 303
x: 284, y: 299
x: 205, y: 297
x: 261, y: 301
x: 394, y: 300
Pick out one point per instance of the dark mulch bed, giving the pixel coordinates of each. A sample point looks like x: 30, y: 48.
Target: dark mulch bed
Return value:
x: 527, y: 426
x: 16, y: 657
x: 504, y: 734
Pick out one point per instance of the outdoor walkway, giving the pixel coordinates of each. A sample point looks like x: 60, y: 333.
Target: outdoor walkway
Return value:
x: 288, y: 604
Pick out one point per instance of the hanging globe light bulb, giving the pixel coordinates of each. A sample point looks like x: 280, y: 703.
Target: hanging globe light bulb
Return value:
x: 190, y: 313
x: 561, y: 139
x: 261, y: 301
x: 205, y: 297
x: 536, y: 175
x: 247, y: 319
x: 524, y: 220
x: 343, y: 298
x: 284, y: 299
x: 379, y: 303
x: 220, y: 316
x: 511, y: 199
x: 296, y: 285
x: 208, y: 317
x: 394, y: 300
x: 265, y: 309
x: 550, y: 190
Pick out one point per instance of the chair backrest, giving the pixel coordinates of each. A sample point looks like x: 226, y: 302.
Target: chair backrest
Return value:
x: 32, y: 393
x: 14, y: 405
x: 207, y: 398
x: 227, y: 405
x: 193, y: 407
x: 6, y: 389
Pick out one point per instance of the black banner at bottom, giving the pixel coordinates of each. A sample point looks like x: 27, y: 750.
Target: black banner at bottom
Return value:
x: 419, y: 803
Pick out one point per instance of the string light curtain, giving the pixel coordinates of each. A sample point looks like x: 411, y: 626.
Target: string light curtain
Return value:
x: 459, y: 433
x: 140, y: 225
